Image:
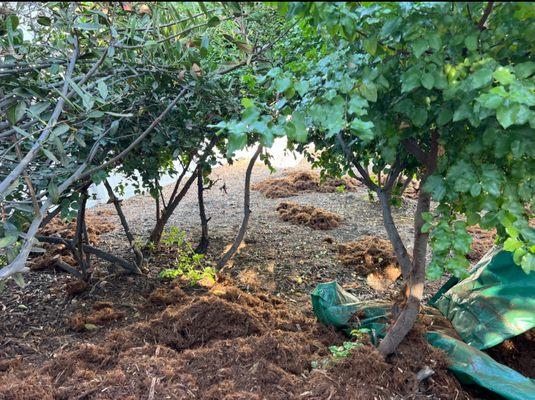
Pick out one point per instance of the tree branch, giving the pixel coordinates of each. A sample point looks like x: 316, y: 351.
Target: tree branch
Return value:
x: 485, y: 16
x: 246, y: 211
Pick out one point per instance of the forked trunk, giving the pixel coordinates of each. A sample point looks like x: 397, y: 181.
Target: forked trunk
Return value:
x: 415, y: 288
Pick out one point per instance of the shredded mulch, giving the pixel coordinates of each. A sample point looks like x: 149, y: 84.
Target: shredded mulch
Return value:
x: 97, y: 224
x: 226, y: 344
x: 373, y: 258
x: 304, y: 181
x: 517, y: 353
x: 313, y: 217
x: 483, y: 241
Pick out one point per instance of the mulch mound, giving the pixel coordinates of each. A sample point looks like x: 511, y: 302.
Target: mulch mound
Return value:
x: 97, y: 225
x: 517, y: 353
x: 373, y: 258
x: 226, y: 344
x: 304, y: 181
x: 482, y: 242
x: 313, y: 217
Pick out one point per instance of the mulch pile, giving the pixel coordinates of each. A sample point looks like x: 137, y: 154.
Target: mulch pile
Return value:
x: 482, y: 243
x: 226, y: 344
x: 96, y: 225
x: 373, y: 258
x: 517, y: 353
x: 313, y: 217
x: 303, y: 181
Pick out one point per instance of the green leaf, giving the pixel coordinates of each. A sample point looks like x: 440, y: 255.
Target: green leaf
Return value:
x: 19, y: 279
x: 435, y: 186
x: 7, y: 241
x: 102, y: 89
x: 525, y: 70
x: 370, y: 45
x: 16, y: 112
x: 50, y: 155
x: 363, y: 129
x: 471, y: 42
x: 515, y: 114
x: 369, y: 91
x: 490, y: 100
x: 503, y: 75
x: 302, y: 87
x: 419, y: 47
x: 45, y: 21
x: 214, y: 21
x: 480, y: 78
x: 419, y: 116
x: 511, y: 244
x: 283, y: 83
x: 60, y: 129
x: 428, y: 81
x: 528, y: 263
x: 357, y: 105
x: 300, y: 134
x: 444, y: 116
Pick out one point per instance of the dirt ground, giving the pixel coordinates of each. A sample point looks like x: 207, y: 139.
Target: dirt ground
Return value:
x: 75, y: 345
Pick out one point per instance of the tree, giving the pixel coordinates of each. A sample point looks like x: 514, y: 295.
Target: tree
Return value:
x: 115, y: 88
x: 440, y: 91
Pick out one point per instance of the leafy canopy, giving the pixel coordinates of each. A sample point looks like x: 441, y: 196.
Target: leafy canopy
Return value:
x: 383, y: 75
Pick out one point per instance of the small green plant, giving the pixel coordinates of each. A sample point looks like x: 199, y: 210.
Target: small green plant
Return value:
x: 344, y: 350
x: 188, y: 264
x: 341, y: 188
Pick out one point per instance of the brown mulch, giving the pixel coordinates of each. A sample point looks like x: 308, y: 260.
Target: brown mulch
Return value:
x: 313, y: 217
x: 97, y: 224
x: 227, y: 344
x: 517, y: 353
x: 373, y: 258
x: 483, y: 241
x: 304, y: 181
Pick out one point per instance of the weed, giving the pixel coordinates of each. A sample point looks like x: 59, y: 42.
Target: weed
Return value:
x: 188, y: 264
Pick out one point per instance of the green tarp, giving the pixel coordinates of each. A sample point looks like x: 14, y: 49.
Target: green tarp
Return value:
x: 495, y: 303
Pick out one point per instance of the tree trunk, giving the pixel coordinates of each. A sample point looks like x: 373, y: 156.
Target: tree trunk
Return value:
x: 203, y: 243
x: 246, y: 212
x: 409, y: 313
x: 407, y: 317
x: 157, y: 231
x: 393, y: 234
x: 137, y: 253
x: 78, y: 249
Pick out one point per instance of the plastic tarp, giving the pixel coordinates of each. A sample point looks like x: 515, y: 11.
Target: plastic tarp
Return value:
x: 334, y: 306
x: 496, y: 302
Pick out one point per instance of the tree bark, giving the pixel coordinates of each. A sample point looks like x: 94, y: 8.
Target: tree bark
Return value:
x: 393, y: 234
x: 203, y: 243
x: 157, y: 231
x: 93, y: 250
x: 137, y: 253
x: 246, y: 212
x: 407, y: 317
x: 78, y: 243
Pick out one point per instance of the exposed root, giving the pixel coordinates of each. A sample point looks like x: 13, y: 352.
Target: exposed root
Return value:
x: 304, y: 181
x: 315, y: 218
